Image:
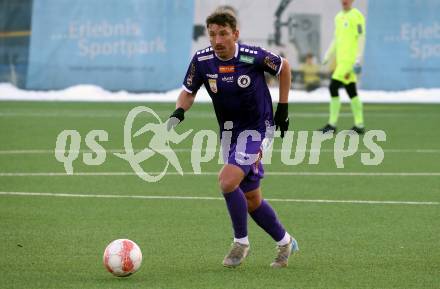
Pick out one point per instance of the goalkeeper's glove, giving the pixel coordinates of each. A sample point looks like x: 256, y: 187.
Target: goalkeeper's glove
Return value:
x: 281, y: 118
x: 357, y: 67
x: 175, y: 118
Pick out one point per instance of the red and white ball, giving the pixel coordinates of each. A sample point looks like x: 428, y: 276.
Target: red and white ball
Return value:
x: 122, y: 257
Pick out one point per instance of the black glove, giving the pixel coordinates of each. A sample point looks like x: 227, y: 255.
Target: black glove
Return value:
x: 281, y: 118
x: 175, y: 118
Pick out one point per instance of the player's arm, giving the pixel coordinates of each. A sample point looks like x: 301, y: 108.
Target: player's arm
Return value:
x: 281, y: 117
x: 285, y: 81
x: 330, y: 53
x: 361, y: 45
x: 185, y: 100
x: 183, y: 103
x: 279, y: 66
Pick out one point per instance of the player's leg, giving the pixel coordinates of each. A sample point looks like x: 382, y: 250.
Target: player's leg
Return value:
x: 335, y: 102
x: 265, y: 217
x: 230, y: 177
x: 334, y: 107
x: 356, y: 108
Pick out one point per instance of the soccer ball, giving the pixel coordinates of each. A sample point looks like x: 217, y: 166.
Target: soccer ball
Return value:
x: 122, y: 257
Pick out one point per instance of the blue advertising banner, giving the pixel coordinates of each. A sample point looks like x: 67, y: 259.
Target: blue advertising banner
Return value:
x: 135, y: 45
x: 403, y: 45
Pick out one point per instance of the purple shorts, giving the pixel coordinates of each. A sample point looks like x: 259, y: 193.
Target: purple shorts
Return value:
x: 251, y: 166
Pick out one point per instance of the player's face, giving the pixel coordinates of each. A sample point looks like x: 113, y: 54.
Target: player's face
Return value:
x: 346, y: 4
x: 223, y: 40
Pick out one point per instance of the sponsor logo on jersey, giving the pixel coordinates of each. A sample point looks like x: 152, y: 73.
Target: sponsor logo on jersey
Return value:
x: 226, y: 69
x: 229, y: 79
x: 244, y: 81
x: 247, y: 59
x: 206, y: 57
x: 270, y: 63
x: 213, y: 85
x: 189, y: 78
x: 212, y: 75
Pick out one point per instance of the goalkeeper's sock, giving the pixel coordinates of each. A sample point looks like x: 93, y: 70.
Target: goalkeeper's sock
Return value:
x: 237, y: 207
x: 266, y: 218
x: 356, y: 108
x: 335, y: 107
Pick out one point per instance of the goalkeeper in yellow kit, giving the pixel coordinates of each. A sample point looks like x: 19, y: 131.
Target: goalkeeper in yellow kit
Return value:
x: 347, y: 46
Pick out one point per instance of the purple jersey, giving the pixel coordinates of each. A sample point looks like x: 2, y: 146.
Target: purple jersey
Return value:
x: 237, y: 86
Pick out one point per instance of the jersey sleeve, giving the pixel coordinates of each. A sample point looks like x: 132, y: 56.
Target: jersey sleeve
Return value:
x: 192, y: 80
x: 361, y: 37
x: 269, y: 62
x: 361, y: 25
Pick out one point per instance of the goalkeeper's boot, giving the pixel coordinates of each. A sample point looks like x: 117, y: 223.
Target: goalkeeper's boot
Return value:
x: 358, y: 130
x: 284, y: 252
x: 328, y: 128
x: 236, y: 255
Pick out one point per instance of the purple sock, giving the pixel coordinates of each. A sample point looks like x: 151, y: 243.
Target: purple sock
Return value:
x: 266, y: 218
x: 237, y: 207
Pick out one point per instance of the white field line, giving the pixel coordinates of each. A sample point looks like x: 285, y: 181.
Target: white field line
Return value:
x: 119, y: 114
x: 94, y: 174
x: 214, y: 198
x: 195, y: 114
x: 188, y: 150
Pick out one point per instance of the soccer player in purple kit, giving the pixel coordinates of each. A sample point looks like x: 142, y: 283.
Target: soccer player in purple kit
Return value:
x: 233, y: 75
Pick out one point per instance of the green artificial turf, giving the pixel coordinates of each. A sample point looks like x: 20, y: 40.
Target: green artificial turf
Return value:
x: 57, y: 241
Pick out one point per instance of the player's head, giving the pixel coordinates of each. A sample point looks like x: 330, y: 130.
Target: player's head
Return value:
x: 228, y: 9
x: 309, y: 58
x: 346, y: 4
x: 223, y: 33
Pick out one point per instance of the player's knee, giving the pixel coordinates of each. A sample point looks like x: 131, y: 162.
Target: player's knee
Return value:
x: 351, y: 90
x: 226, y: 184
x: 230, y: 178
x: 253, y: 201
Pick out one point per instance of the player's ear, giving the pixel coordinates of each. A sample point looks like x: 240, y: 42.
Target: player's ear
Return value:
x: 236, y: 34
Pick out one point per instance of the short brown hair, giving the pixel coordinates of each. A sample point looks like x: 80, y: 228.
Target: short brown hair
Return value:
x: 222, y: 18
